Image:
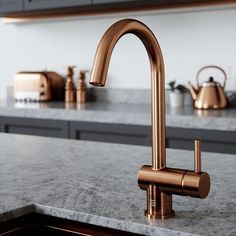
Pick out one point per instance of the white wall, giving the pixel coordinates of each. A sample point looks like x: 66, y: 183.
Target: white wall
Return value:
x: 189, y: 40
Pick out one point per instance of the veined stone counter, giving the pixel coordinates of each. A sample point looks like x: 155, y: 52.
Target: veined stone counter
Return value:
x: 96, y: 183
x: 118, y: 113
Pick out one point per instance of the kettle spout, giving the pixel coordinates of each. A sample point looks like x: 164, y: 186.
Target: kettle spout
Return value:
x: 192, y: 90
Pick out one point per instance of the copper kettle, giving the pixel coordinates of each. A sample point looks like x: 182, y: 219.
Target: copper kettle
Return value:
x: 211, y: 94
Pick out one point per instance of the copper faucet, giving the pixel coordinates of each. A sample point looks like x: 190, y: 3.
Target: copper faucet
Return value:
x: 159, y: 181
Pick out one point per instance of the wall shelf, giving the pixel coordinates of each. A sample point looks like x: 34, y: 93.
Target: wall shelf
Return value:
x: 95, y: 10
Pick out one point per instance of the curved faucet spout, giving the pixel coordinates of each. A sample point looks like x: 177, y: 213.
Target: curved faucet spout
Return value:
x: 99, y: 75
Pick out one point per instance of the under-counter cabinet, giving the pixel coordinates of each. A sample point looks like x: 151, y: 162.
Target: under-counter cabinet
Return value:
x: 7, y: 6
x: 176, y: 137
x: 111, y: 133
x: 212, y: 140
x: 39, y: 127
x: 49, y: 4
x: 146, y: 2
x: 112, y: 1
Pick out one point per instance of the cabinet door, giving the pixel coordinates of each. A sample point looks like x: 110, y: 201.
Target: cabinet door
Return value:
x: 8, y: 6
x: 148, y: 2
x: 111, y: 1
x: 212, y: 140
x: 49, y: 4
x: 38, y: 127
x: 111, y: 133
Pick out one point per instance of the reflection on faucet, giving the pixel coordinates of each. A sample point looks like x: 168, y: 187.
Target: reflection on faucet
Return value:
x: 159, y: 181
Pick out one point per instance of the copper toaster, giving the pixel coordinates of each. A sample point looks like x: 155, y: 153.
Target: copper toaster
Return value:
x: 38, y: 86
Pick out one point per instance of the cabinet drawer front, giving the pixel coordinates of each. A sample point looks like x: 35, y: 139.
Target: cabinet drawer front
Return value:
x: 7, y: 6
x: 112, y: 133
x: 38, y: 127
x: 112, y: 1
x: 110, y: 137
x: 212, y: 140
x: 50, y: 4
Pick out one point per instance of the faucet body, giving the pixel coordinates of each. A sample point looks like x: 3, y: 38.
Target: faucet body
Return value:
x: 159, y: 181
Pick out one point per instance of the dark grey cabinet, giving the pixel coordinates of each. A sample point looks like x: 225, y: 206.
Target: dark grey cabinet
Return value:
x: 112, y: 133
x: 150, y: 2
x: 179, y: 138
x: 112, y: 1
x: 39, y: 127
x: 212, y: 140
x: 49, y: 4
x: 7, y: 6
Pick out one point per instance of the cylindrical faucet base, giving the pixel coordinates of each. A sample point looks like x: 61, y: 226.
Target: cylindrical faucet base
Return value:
x: 159, y: 204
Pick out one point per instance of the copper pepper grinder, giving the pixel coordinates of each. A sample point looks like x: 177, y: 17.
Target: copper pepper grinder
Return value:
x: 69, y: 86
x: 81, y: 93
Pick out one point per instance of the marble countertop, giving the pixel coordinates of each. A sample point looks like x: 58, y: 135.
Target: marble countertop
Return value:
x: 120, y: 113
x: 96, y: 183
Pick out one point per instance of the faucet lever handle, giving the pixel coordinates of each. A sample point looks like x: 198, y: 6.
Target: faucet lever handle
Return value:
x: 197, y: 155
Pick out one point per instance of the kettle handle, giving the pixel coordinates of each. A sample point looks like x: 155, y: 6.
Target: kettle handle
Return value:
x: 211, y: 66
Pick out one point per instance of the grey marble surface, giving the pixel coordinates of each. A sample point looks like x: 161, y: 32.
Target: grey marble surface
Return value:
x: 96, y: 183
x: 120, y: 113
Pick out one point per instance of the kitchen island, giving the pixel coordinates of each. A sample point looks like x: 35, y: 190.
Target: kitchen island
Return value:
x: 96, y: 183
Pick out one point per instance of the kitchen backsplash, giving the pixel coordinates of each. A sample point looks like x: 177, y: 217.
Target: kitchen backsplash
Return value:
x: 136, y: 96
x: 189, y: 40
